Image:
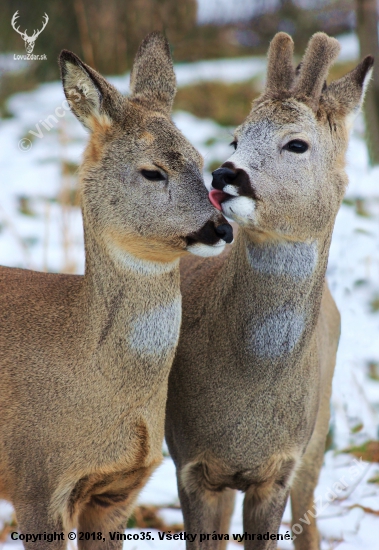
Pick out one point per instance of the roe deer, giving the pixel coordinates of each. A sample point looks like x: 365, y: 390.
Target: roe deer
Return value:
x: 248, y: 402
x: 84, y: 360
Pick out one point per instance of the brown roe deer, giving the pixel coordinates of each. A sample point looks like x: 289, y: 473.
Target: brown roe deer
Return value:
x: 84, y: 360
x: 248, y: 403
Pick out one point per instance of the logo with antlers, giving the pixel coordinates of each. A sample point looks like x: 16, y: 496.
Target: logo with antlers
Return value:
x: 29, y: 40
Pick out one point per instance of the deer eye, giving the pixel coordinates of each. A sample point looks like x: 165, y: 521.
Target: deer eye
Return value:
x: 233, y: 144
x: 296, y: 146
x: 153, y: 175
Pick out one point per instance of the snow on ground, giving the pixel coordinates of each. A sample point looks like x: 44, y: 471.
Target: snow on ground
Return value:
x: 222, y: 10
x: 349, y: 47
x: 9, y: 65
x: 37, y: 232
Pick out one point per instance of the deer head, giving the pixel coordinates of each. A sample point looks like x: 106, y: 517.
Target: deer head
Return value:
x: 143, y: 194
x: 286, y: 178
x: 29, y: 40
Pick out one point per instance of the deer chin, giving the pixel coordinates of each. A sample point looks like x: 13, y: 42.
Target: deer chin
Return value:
x: 239, y: 209
x: 206, y: 250
x: 210, y: 239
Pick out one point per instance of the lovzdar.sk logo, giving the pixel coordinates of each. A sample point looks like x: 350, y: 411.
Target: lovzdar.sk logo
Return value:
x: 29, y: 40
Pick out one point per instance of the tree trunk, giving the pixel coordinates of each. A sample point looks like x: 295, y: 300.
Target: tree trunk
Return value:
x: 84, y: 34
x: 367, y: 28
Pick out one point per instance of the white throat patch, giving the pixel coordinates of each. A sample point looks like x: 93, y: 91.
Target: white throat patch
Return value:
x: 239, y: 209
x: 277, y: 334
x: 137, y: 265
x: 157, y: 332
x: 297, y: 260
x: 206, y: 250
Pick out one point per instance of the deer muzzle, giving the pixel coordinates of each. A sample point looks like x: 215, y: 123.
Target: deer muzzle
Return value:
x: 211, y: 239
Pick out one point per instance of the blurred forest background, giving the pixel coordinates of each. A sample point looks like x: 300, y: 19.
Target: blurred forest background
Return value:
x: 106, y: 35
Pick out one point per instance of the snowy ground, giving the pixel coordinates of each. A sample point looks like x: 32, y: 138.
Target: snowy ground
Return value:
x: 36, y: 231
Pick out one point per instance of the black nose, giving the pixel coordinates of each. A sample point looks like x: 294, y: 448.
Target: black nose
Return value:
x: 222, y: 177
x: 225, y: 232
x: 228, y: 174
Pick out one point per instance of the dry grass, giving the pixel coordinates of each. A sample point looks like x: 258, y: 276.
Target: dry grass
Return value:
x: 68, y: 199
x: 373, y: 370
x: 148, y: 517
x: 369, y: 451
x: 374, y: 304
x: 8, y: 527
x: 340, y: 69
x: 12, y: 83
x: 227, y: 104
x: 7, y: 222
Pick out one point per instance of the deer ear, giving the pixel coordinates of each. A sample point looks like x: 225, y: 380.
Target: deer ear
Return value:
x: 348, y: 92
x: 91, y: 98
x: 153, y: 81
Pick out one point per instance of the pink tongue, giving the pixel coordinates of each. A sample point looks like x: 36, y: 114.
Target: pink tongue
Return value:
x: 216, y: 197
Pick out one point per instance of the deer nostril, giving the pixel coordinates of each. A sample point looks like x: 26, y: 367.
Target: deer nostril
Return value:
x: 225, y: 232
x: 222, y: 177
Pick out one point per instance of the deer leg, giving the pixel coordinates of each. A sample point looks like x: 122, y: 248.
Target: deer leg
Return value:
x: 302, y: 490
x: 108, y: 509
x: 101, y: 522
x: 302, y: 498
x: 33, y: 519
x: 262, y: 514
x: 204, y: 512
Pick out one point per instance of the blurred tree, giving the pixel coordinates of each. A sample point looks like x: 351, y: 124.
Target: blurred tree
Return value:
x: 118, y: 26
x: 84, y: 33
x: 301, y: 19
x: 367, y: 28
x: 105, y: 34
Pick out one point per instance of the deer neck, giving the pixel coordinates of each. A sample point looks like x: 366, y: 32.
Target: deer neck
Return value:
x: 275, y: 289
x: 133, y: 312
